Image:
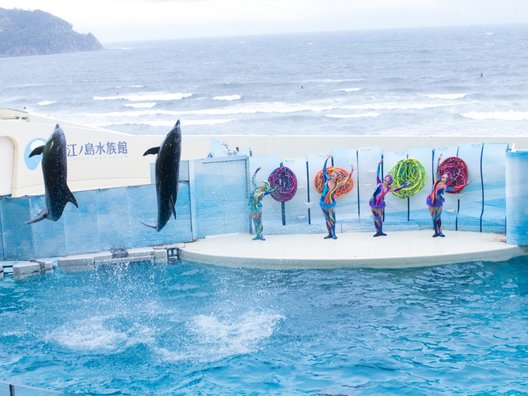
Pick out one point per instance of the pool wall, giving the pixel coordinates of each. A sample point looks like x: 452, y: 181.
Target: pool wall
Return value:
x: 480, y: 207
x: 22, y: 390
x: 213, y: 197
x: 517, y: 197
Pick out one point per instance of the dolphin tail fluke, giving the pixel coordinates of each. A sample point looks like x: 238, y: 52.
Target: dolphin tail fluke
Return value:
x: 36, y: 151
x: 150, y: 226
x: 153, y: 150
x: 41, y: 216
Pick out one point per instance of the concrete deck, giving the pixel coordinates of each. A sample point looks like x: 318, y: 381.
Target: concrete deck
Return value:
x: 403, y: 249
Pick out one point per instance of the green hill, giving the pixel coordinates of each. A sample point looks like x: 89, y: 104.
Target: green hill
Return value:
x: 40, y: 33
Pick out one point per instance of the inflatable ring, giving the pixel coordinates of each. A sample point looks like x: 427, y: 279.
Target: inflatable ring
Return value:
x: 458, y: 170
x: 286, y: 181
x: 410, y: 171
x: 342, y: 175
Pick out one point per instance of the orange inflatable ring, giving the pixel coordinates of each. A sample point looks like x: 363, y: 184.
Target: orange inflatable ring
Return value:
x: 342, y: 175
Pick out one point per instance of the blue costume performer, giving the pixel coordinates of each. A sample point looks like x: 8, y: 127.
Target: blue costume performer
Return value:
x: 435, y: 200
x: 328, y: 202
x: 377, y: 202
x: 255, y: 204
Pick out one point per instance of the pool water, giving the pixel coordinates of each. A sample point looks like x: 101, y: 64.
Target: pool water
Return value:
x: 195, y: 329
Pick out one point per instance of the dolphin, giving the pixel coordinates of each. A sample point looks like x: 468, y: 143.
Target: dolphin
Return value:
x: 167, y: 175
x: 54, y: 169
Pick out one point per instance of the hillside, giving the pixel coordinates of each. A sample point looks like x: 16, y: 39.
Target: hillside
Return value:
x: 40, y: 33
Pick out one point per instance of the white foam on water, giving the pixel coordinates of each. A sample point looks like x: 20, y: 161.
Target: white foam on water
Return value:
x: 213, y: 115
x: 132, y: 113
x: 168, y: 123
x: 216, y: 121
x: 227, y: 97
x: 141, y: 105
x: 234, y: 335
x: 359, y: 115
x: 497, y: 115
x: 399, y: 105
x: 146, y: 96
x: 264, y: 108
x: 96, y: 335
x: 445, y: 96
x: 213, y: 337
x: 350, y: 89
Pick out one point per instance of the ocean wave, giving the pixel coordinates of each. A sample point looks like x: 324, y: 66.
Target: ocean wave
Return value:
x: 395, y: 106
x: 350, y: 89
x: 452, y: 96
x: 227, y: 97
x: 132, y: 114
x: 208, y: 122
x: 146, y: 96
x: 332, y: 80
x: 497, y: 115
x: 144, y: 105
x: 359, y: 115
x: 367, y: 109
x: 170, y: 123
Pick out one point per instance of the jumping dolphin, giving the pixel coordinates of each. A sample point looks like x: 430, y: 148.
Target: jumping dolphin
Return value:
x: 167, y: 175
x: 54, y: 169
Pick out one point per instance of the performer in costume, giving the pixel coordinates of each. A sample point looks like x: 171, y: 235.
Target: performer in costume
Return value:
x: 255, y: 204
x: 435, y: 200
x: 328, y: 201
x: 377, y: 202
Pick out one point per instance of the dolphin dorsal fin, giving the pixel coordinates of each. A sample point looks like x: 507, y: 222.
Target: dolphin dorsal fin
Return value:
x: 36, y: 151
x: 153, y: 150
x: 70, y: 197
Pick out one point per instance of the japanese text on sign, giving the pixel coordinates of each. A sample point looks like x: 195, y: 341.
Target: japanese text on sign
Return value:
x: 96, y: 149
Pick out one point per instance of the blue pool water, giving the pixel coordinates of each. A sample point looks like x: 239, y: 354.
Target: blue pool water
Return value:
x: 194, y: 329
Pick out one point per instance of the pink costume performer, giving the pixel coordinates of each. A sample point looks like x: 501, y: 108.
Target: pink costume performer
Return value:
x: 377, y: 202
x: 435, y: 200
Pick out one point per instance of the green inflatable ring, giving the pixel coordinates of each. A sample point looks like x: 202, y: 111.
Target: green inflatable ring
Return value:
x: 410, y: 171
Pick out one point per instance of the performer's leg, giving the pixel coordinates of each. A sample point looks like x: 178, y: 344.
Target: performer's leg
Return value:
x: 378, y: 221
x: 439, y: 221
x: 333, y: 220
x: 257, y: 222
x: 432, y: 211
x: 328, y: 221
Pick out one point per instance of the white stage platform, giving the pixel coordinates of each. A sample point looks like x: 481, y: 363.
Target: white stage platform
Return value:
x: 402, y: 249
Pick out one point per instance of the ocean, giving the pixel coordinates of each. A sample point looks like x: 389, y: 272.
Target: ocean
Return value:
x: 435, y: 81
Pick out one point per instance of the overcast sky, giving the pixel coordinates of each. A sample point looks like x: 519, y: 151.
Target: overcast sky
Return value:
x: 132, y: 20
